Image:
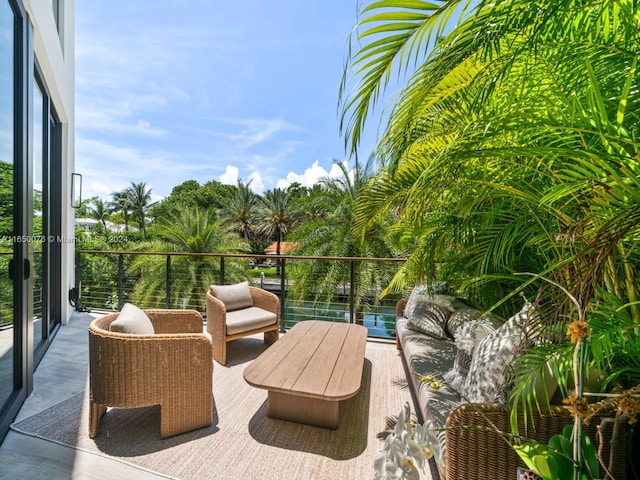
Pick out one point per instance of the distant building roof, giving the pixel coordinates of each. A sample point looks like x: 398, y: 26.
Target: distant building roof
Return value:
x: 285, y: 247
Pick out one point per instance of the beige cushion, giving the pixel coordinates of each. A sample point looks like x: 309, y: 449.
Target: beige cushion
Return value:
x: 240, y: 321
x: 234, y: 296
x: 132, y: 320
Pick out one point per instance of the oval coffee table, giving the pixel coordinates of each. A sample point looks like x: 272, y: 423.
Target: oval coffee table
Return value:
x: 309, y: 370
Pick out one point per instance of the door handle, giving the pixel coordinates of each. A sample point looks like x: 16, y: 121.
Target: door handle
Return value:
x: 26, y: 269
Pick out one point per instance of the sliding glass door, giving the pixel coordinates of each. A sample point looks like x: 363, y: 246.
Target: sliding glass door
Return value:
x: 16, y: 207
x: 45, y: 216
x: 7, y: 190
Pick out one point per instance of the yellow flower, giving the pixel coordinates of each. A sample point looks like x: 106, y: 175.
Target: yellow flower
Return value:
x: 578, y: 330
x: 578, y: 408
x: 630, y: 406
x: 427, y: 379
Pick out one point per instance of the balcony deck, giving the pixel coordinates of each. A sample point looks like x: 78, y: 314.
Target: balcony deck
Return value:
x: 63, y: 373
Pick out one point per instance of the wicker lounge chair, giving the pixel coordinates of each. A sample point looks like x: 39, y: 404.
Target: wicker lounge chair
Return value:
x: 171, y: 368
x: 239, y: 311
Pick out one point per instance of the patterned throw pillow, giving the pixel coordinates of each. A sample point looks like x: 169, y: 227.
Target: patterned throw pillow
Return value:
x: 421, y: 294
x: 458, y: 318
x: 429, y: 318
x: 492, y: 360
x: 467, y: 338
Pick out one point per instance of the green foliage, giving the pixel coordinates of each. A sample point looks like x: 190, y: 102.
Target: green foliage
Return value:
x: 512, y: 148
x: 330, y: 235
x: 6, y: 198
x: 268, y: 272
x: 556, y: 460
x: 190, y: 194
x: 188, y: 231
x: 239, y: 210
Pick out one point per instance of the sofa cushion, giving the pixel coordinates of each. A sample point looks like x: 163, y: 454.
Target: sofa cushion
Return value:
x: 425, y: 355
x: 467, y: 338
x: 429, y: 318
x: 421, y: 294
x: 492, y: 360
x: 458, y: 318
x: 234, y: 296
x: 132, y: 320
x: 240, y: 321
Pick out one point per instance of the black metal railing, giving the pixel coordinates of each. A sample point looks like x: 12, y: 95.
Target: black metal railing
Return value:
x: 108, y: 279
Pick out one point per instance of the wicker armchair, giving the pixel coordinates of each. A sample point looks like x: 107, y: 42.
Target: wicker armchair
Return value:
x: 171, y: 368
x: 222, y: 331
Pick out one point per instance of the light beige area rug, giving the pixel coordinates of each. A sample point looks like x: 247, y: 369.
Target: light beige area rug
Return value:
x: 242, y: 443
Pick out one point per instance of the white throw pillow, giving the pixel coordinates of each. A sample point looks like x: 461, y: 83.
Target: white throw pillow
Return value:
x: 132, y: 320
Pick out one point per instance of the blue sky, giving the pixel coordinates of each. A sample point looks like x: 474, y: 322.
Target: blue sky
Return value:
x: 168, y: 91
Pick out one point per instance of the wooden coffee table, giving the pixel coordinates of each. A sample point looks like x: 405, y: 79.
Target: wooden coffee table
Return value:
x: 309, y: 370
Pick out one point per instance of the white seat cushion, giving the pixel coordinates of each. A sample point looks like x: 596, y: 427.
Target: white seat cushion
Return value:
x: 240, y: 321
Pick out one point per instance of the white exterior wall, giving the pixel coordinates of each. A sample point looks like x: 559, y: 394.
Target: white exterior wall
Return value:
x: 55, y: 54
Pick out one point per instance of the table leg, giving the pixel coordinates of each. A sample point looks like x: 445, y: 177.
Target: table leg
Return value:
x: 307, y: 410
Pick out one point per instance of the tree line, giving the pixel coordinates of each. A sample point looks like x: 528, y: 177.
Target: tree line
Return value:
x: 219, y: 218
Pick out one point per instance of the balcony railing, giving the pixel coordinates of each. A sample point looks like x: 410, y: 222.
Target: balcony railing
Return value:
x: 108, y: 279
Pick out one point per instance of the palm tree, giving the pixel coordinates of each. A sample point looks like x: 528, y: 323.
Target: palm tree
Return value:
x: 240, y: 209
x: 140, y: 200
x: 100, y: 212
x: 512, y: 149
x: 274, y: 216
x: 331, y: 235
x: 187, y: 231
x: 122, y: 202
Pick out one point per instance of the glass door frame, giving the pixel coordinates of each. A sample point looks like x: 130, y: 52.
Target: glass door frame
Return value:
x: 21, y: 264
x: 51, y: 165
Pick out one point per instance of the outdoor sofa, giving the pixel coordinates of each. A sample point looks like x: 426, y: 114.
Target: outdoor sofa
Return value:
x: 471, y: 448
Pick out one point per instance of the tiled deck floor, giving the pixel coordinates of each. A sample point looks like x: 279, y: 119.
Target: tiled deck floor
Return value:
x: 61, y: 374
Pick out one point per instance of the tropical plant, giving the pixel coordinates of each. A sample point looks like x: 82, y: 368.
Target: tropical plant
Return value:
x: 140, y: 197
x: 100, y: 211
x: 122, y: 203
x: 331, y: 235
x: 513, y: 148
x: 274, y: 216
x: 189, y: 231
x: 240, y: 209
x: 556, y: 460
x: 6, y: 198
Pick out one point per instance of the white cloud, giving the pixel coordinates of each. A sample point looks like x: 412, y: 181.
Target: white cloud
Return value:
x: 311, y: 175
x: 230, y: 175
x: 257, y: 185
